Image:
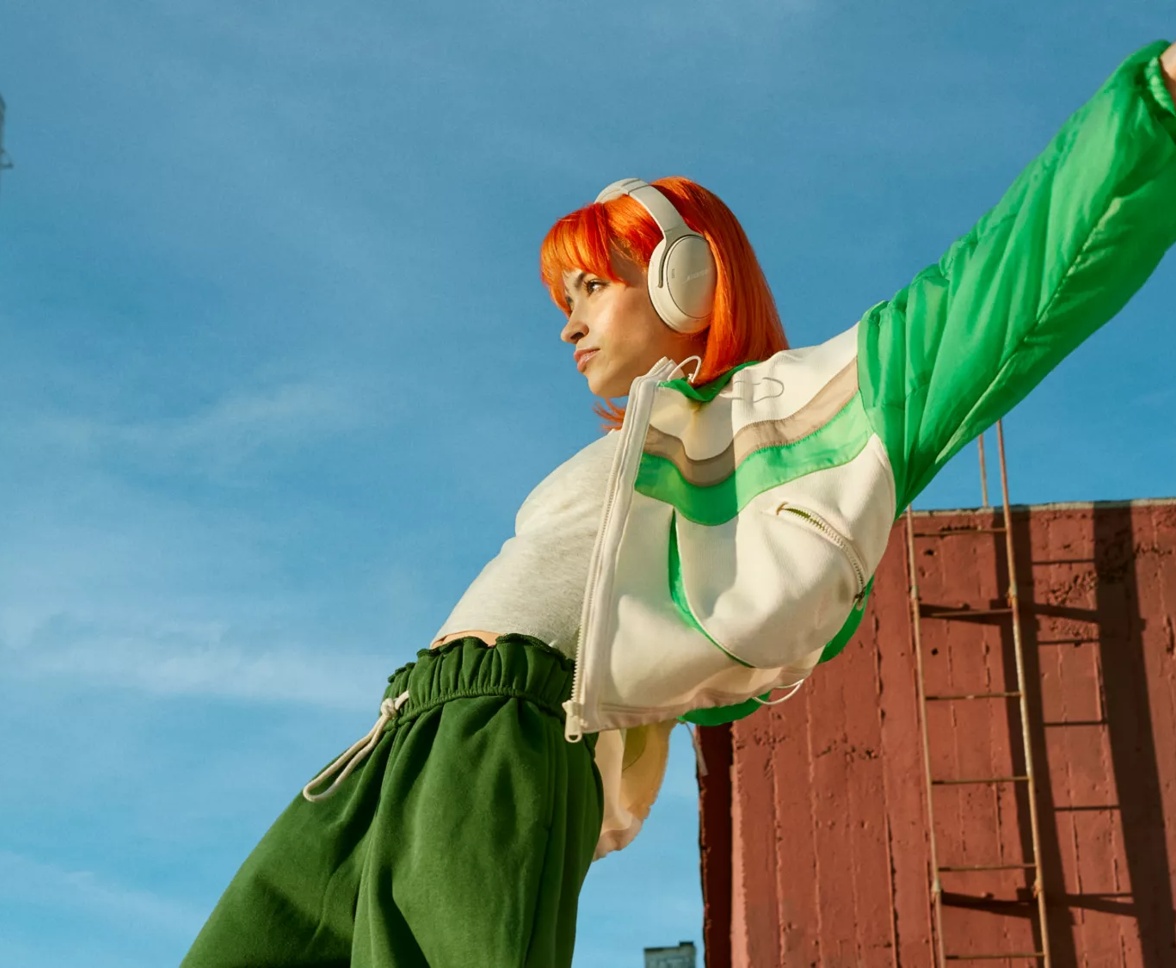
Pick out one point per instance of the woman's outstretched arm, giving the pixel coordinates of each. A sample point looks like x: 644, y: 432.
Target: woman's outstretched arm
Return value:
x: 1077, y: 233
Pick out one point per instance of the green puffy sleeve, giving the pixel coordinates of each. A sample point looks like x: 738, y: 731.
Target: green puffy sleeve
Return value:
x: 1079, y: 231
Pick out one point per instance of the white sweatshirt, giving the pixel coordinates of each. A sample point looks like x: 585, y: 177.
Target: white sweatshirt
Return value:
x: 535, y: 584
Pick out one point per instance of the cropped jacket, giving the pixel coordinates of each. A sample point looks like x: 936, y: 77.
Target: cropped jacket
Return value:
x: 744, y: 518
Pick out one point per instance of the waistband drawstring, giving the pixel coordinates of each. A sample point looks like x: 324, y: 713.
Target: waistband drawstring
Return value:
x: 356, y: 752
x: 792, y: 691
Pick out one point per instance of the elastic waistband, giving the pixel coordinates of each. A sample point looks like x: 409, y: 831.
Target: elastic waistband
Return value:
x: 519, y: 666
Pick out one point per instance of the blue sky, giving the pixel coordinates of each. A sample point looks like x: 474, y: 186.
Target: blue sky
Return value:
x: 276, y: 369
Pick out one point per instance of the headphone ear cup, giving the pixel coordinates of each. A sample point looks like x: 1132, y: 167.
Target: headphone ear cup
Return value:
x: 659, y: 294
x: 686, y: 271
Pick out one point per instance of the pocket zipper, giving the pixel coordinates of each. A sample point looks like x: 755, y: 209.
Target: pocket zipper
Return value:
x: 852, y: 554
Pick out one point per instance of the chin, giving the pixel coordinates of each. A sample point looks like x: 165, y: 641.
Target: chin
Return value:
x: 609, y: 390
x: 599, y: 387
x: 610, y: 385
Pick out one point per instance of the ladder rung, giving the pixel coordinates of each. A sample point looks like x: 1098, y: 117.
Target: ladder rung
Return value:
x: 1087, y: 808
x: 1011, y: 954
x: 989, y: 867
x: 994, y: 779
x: 959, y: 612
x: 974, y: 695
x: 948, y: 534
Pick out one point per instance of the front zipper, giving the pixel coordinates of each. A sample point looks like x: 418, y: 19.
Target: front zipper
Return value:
x: 852, y: 554
x: 618, y: 494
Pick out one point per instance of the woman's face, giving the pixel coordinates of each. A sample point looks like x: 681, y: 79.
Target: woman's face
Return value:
x: 616, y: 331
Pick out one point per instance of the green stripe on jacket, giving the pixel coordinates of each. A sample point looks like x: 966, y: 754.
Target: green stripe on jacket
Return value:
x: 835, y: 443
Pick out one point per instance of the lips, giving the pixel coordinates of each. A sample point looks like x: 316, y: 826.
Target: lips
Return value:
x: 583, y: 356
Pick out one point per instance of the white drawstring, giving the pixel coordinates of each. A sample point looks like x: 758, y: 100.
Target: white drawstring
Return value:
x: 776, y: 702
x: 682, y: 366
x: 357, y: 752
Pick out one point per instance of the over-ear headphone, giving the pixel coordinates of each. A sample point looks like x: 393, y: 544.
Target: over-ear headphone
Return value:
x: 681, y: 269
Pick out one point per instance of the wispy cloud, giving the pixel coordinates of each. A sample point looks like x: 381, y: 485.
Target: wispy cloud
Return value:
x: 212, y: 440
x: 321, y: 680
x: 57, y: 888
x: 1157, y: 398
x: 193, y: 663
x: 149, y: 591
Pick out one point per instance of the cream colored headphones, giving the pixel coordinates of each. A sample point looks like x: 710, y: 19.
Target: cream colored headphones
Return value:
x: 681, y: 268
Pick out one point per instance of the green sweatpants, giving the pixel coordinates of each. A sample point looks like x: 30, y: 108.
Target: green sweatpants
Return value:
x: 463, y: 838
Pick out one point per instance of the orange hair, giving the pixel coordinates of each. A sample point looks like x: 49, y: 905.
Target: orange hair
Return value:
x: 744, y: 323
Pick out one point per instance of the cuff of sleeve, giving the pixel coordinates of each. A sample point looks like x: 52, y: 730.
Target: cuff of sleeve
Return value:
x: 1157, y: 88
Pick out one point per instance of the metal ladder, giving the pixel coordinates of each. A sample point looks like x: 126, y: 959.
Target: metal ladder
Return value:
x: 1012, y: 610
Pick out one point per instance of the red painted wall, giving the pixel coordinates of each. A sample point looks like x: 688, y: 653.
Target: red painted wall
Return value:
x: 815, y: 825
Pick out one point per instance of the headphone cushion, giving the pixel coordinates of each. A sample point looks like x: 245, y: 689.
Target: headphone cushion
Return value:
x: 687, y: 275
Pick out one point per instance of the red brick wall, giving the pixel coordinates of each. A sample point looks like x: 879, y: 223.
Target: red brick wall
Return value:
x: 815, y: 837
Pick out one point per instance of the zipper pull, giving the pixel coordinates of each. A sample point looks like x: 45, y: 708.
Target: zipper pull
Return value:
x: 574, y: 727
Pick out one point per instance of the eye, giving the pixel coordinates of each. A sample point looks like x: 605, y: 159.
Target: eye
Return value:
x: 588, y: 287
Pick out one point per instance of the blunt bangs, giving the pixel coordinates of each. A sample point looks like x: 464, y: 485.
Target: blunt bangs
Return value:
x: 577, y: 241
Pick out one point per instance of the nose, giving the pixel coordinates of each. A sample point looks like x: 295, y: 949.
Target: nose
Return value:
x: 574, y: 329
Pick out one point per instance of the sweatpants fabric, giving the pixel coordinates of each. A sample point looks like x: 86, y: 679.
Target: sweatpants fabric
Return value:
x: 462, y: 840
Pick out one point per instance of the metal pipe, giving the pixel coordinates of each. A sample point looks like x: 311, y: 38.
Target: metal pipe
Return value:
x: 1031, y: 786
x: 936, y: 886
x: 983, y: 473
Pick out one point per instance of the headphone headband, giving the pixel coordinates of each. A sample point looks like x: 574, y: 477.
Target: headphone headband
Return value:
x: 654, y: 202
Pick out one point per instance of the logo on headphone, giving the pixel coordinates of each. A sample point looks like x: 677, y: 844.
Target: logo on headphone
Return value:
x: 695, y: 275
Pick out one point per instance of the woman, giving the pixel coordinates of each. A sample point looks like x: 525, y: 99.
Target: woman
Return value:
x: 459, y: 831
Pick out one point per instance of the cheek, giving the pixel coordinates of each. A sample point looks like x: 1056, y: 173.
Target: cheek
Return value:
x: 643, y: 325
x: 618, y: 329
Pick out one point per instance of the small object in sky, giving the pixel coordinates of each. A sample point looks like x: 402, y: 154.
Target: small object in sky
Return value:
x: 682, y: 955
x: 5, y: 161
